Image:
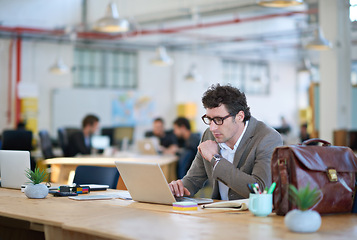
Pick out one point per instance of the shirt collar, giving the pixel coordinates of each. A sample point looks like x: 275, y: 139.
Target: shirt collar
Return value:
x: 225, y: 146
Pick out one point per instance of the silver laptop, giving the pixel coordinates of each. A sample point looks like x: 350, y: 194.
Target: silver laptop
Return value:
x: 13, y: 165
x: 146, y: 183
x: 147, y: 146
x: 100, y: 141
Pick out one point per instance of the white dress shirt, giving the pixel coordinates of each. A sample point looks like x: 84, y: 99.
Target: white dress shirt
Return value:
x: 228, y: 153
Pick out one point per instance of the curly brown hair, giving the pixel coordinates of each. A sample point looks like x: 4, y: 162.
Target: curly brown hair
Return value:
x: 233, y: 99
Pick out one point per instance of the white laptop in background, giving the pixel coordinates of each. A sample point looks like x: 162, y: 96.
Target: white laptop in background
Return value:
x: 146, y: 183
x: 100, y: 142
x: 147, y: 146
x: 13, y: 165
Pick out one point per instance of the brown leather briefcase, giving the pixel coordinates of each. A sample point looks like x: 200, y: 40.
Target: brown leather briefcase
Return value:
x: 331, y: 169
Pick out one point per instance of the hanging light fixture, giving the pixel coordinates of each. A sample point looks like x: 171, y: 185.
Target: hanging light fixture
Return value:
x: 305, y: 66
x: 59, y: 68
x: 111, y: 22
x: 319, y: 42
x: 279, y: 3
x: 192, y: 74
x: 162, y: 59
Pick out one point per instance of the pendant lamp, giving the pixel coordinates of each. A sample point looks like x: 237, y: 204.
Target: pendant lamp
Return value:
x: 111, y: 22
x: 305, y: 66
x: 59, y: 68
x: 279, y: 3
x: 319, y: 43
x: 192, y: 74
x: 162, y: 59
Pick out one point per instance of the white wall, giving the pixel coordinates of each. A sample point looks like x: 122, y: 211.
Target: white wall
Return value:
x: 166, y: 85
x: 4, y: 78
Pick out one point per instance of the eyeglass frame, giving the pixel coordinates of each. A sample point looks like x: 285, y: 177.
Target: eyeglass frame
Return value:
x: 213, y: 119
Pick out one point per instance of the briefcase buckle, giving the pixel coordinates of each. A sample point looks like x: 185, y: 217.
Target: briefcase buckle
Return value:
x: 282, y: 161
x: 332, y: 175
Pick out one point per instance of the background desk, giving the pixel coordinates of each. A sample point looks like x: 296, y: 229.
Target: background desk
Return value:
x: 62, y: 218
x: 61, y: 167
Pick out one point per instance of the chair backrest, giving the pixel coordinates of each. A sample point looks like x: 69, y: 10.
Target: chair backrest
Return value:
x: 63, y: 140
x: 17, y: 140
x: 63, y: 135
x: 46, y: 144
x: 96, y: 175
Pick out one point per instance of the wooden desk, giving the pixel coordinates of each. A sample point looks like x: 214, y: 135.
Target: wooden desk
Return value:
x: 61, y: 167
x: 62, y: 218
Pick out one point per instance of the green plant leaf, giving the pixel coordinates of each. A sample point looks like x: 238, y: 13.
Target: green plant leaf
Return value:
x: 304, y: 198
x: 37, y: 176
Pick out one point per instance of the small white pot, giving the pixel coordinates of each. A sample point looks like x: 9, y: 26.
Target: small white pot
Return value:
x: 303, y: 221
x: 36, y: 191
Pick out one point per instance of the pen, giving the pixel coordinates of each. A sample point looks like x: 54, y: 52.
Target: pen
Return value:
x: 272, y: 187
x: 257, y: 187
x: 254, y: 188
x: 250, y: 188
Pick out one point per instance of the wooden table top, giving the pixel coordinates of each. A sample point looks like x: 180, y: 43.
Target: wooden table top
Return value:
x: 116, y: 218
x: 103, y: 160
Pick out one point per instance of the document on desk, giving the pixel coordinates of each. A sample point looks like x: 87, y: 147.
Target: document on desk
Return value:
x: 122, y: 194
x: 241, y: 204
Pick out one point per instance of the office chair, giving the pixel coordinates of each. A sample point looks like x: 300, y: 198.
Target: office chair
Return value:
x: 63, y: 140
x: 18, y: 140
x: 96, y: 175
x: 63, y: 134
x: 46, y: 144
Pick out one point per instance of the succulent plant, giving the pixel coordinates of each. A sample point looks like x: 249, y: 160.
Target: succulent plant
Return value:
x: 37, y: 176
x: 304, y: 198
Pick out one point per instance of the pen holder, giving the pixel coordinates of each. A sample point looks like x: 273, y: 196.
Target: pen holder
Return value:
x: 260, y: 205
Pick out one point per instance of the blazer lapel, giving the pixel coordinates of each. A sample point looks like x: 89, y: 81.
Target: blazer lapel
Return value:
x: 247, y: 137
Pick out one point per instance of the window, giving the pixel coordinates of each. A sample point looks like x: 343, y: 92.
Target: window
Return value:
x: 249, y: 77
x: 105, y: 69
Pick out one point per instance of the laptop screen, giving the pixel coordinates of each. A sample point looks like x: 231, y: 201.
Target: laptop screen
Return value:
x: 100, y: 142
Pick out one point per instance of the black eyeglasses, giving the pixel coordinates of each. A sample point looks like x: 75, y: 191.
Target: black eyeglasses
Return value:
x: 216, y: 120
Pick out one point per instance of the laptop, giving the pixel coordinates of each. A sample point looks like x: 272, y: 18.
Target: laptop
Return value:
x: 100, y: 142
x: 13, y: 165
x: 146, y: 183
x: 147, y: 146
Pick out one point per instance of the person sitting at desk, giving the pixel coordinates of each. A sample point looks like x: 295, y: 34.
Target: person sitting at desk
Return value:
x: 182, y: 130
x: 167, y: 139
x: 234, y: 151
x: 80, y: 142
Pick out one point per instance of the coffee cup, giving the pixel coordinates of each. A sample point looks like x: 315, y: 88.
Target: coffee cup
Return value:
x: 260, y: 205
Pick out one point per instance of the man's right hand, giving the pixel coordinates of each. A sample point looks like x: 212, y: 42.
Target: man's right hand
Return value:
x: 178, y: 189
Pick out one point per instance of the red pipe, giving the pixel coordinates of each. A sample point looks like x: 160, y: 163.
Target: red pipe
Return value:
x: 9, y: 86
x: 95, y: 35
x: 190, y: 27
x: 18, y: 79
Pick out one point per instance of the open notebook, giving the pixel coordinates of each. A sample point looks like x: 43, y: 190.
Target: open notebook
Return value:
x: 146, y: 183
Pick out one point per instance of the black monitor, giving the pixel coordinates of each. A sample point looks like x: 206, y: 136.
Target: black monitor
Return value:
x: 121, y: 133
x: 117, y: 134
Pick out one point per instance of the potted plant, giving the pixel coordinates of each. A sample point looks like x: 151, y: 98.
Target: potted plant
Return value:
x: 303, y: 219
x: 35, y: 189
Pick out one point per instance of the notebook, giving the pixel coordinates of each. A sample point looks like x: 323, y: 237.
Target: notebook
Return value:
x: 146, y: 183
x: 13, y: 165
x: 147, y: 146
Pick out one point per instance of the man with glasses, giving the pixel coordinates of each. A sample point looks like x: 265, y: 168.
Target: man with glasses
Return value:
x: 234, y: 151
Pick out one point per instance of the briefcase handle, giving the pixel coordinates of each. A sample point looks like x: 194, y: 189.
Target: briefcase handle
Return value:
x: 316, y: 140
